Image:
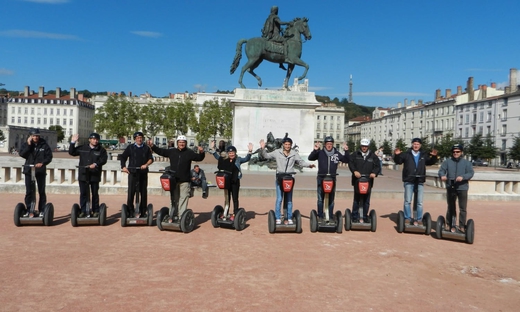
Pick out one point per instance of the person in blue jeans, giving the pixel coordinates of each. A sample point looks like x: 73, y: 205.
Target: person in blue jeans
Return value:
x: 285, y: 158
x: 328, y: 160
x: 414, y: 163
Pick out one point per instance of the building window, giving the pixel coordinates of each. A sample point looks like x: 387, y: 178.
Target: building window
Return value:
x: 71, y: 112
x: 57, y: 111
x: 12, y: 119
x: 504, y: 115
x: 466, y: 133
x: 52, y: 111
x: 70, y: 122
x: 318, y: 135
x: 39, y: 120
x: 51, y: 121
x: 32, y: 120
x: 26, y: 111
x: 481, y: 117
x: 64, y: 112
x: 32, y: 110
x: 25, y: 120
x: 324, y: 117
x: 504, y: 144
x: 488, y: 118
x: 480, y: 129
x: 318, y: 117
x: 504, y: 130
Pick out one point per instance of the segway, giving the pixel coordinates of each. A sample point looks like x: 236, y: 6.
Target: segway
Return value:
x: 220, y: 217
x: 24, y: 216
x: 167, y: 218
x: 140, y: 217
x: 326, y: 224
x: 426, y: 225
x: 89, y: 218
x: 286, y: 183
x: 362, y: 187
x: 454, y: 232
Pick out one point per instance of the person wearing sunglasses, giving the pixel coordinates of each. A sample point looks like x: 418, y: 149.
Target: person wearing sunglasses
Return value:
x: 456, y: 172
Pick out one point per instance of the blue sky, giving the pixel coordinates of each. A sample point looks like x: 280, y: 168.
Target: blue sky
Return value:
x: 395, y: 50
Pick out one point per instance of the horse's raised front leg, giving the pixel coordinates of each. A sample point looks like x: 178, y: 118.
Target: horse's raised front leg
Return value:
x: 250, y: 70
x: 250, y: 67
x: 301, y: 63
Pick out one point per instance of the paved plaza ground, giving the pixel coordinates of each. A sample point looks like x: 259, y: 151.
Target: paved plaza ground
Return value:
x: 110, y: 268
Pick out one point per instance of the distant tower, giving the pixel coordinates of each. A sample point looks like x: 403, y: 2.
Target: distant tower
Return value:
x: 350, y: 91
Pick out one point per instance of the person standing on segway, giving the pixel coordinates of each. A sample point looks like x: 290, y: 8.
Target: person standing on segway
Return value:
x: 94, y: 156
x: 456, y: 172
x: 38, y: 153
x: 180, y: 162
x: 328, y: 159
x: 232, y: 164
x: 285, y: 159
x: 140, y: 156
x: 414, y: 167
x: 363, y: 163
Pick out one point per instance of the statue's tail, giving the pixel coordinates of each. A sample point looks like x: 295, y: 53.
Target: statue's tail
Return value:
x: 238, y: 56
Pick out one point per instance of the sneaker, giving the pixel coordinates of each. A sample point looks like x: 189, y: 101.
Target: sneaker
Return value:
x: 355, y: 220
x: 82, y: 215
x: 205, y: 195
x: 290, y: 222
x: 96, y: 214
x: 278, y: 221
x: 415, y: 223
x: 41, y: 214
x: 232, y: 218
x: 419, y: 223
x: 366, y: 220
x: 26, y: 215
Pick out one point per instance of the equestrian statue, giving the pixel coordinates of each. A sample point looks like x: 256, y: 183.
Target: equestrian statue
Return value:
x: 276, y: 45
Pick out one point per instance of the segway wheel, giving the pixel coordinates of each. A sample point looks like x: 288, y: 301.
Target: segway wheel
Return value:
x: 124, y: 214
x: 271, y: 222
x: 297, y: 216
x: 102, y: 214
x: 240, y: 219
x: 339, y: 222
x: 470, y: 231
x: 48, y: 215
x: 215, y: 215
x: 439, y: 226
x: 187, y: 221
x: 427, y: 222
x: 400, y: 221
x: 314, y: 221
x: 160, y: 217
x: 149, y: 211
x: 19, y: 210
x: 74, y: 214
x: 373, y: 220
x: 348, y: 219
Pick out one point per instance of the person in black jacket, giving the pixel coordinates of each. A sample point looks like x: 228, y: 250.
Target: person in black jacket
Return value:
x: 414, y: 167
x: 140, y: 156
x: 363, y: 163
x: 328, y: 159
x: 38, y: 153
x: 94, y: 156
x: 180, y: 162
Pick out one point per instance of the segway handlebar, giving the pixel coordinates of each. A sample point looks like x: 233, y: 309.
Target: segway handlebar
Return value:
x: 328, y: 174
x: 287, y: 173
x: 224, y: 171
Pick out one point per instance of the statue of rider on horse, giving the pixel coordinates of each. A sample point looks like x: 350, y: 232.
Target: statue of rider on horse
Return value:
x: 276, y: 45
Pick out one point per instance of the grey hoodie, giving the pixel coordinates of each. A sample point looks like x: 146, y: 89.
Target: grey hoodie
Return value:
x: 453, y: 168
x: 284, y: 163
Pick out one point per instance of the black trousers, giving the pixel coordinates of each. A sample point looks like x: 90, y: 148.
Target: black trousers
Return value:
x: 40, y: 181
x: 143, y: 191
x: 233, y: 193
x: 451, y: 196
x: 356, y: 202
x: 83, y: 196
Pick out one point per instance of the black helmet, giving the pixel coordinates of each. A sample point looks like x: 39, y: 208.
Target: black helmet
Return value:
x: 231, y: 149
x: 286, y: 139
x: 457, y: 146
x: 138, y: 133
x: 34, y: 131
x: 328, y: 139
x: 94, y: 135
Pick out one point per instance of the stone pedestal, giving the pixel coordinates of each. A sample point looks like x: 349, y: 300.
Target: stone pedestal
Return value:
x: 258, y: 112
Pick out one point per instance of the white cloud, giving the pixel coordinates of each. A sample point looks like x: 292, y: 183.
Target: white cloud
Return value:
x: 149, y: 34
x: 36, y: 34
x: 48, y: 1
x: 6, y: 72
x: 392, y: 93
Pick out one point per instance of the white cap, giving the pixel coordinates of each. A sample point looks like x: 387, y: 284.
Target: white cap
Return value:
x: 365, y: 142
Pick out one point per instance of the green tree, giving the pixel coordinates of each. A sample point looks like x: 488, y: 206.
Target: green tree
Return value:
x: 514, y: 151
x: 151, y: 118
x: 488, y: 149
x: 118, y: 117
x: 475, y: 146
x: 351, y: 146
x: 215, y: 120
x: 372, y: 146
x: 401, y: 145
x: 2, y: 137
x: 59, y: 131
x: 387, y: 148
x: 444, y: 146
x: 181, y: 118
x: 426, y: 146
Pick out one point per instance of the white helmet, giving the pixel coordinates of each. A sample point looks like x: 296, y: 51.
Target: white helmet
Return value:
x: 365, y: 142
x: 182, y: 138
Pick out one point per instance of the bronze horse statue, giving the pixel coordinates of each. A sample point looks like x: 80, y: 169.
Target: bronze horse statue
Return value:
x: 259, y: 49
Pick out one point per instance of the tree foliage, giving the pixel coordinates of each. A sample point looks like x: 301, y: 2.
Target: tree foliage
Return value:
x: 514, y: 151
x: 2, y: 137
x: 480, y: 148
x: 59, y: 132
x: 118, y: 117
x: 181, y: 118
x: 387, y: 148
x: 151, y: 118
x: 215, y: 120
x: 351, y: 145
x: 400, y: 144
x: 352, y: 110
x: 372, y: 146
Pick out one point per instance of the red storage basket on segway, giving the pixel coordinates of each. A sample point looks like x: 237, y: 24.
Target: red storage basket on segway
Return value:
x: 166, y: 181
x: 327, y: 184
x: 222, y: 180
x: 363, y: 186
x: 287, y: 184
